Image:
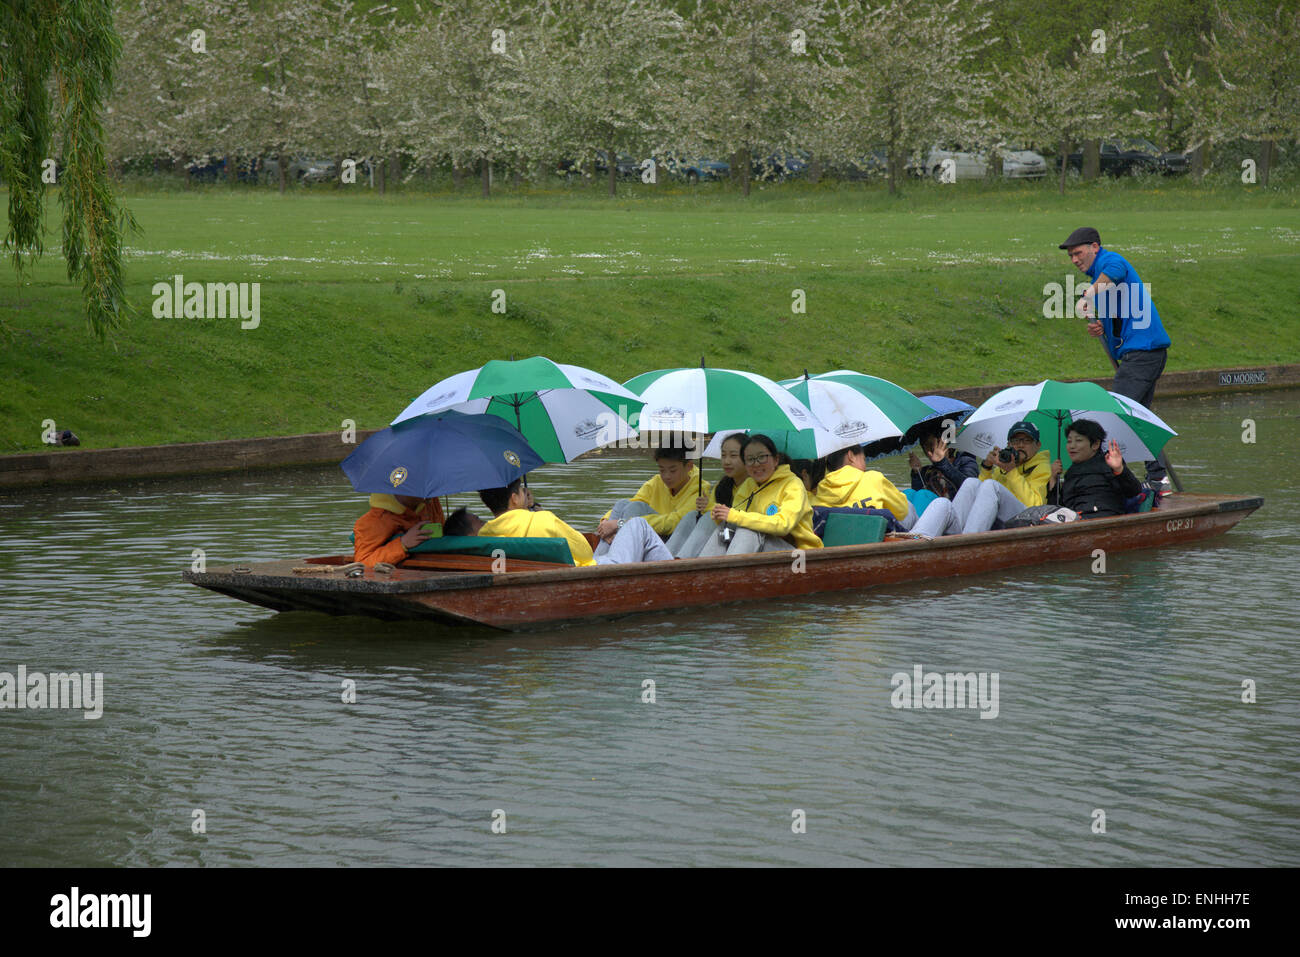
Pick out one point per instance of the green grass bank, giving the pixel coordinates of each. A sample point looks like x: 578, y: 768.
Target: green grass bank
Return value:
x: 365, y: 301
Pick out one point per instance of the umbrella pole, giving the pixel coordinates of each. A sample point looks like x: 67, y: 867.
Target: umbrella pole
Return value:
x: 1160, y: 456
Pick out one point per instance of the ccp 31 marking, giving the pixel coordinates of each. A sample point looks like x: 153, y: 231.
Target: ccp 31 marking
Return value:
x: 1178, y: 524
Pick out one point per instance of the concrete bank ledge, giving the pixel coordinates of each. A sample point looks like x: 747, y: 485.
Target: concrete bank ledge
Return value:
x: 70, y: 465
x: 62, y: 465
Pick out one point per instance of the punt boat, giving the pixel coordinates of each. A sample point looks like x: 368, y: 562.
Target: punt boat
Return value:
x: 469, y: 590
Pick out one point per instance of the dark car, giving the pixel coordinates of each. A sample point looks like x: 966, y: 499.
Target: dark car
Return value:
x: 628, y: 167
x: 694, y: 170
x: 780, y: 165
x: 208, y: 169
x: 1132, y: 157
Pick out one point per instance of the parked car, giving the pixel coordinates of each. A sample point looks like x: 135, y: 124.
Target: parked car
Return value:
x: 780, y: 165
x: 302, y: 169
x: 1131, y: 157
x: 694, y: 170
x: 210, y: 168
x: 867, y: 166
x: 628, y: 166
x: 1016, y: 163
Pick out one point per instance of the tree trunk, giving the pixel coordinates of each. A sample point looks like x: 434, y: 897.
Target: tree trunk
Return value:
x: 456, y: 175
x: 611, y: 159
x: 541, y: 172
x: 284, y: 170
x: 395, y: 167
x: 486, y: 165
x: 1198, y: 162
x: 1065, y: 161
x: 743, y: 156
x: 379, y: 166
x: 1265, y: 162
x: 1091, y: 159
x: 232, y: 173
x: 517, y: 179
x: 814, y: 170
x: 892, y: 161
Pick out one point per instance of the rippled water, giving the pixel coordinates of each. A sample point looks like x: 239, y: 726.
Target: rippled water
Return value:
x: 1119, y: 692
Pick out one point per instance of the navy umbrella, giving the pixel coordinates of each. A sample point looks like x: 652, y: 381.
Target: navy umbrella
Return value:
x: 944, y: 408
x: 441, y: 454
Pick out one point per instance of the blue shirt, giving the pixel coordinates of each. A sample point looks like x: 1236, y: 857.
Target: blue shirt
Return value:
x: 1129, y: 319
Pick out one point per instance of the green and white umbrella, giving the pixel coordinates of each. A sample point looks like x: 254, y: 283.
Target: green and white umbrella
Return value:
x: 814, y: 443
x: 857, y: 408
x: 1052, y: 406
x: 562, y: 410
x: 703, y: 400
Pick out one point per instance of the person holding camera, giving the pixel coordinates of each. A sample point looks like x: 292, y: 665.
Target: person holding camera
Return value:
x: 1010, y: 480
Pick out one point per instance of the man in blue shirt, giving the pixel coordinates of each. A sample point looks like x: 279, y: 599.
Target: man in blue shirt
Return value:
x: 1124, y: 317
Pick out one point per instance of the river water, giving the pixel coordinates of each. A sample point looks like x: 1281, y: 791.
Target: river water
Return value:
x: 1118, y: 693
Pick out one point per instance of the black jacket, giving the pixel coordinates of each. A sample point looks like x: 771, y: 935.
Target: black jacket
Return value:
x: 945, y: 478
x: 1094, y: 491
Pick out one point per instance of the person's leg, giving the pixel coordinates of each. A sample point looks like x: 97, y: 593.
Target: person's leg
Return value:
x: 939, y: 518
x: 984, y: 509
x: 624, y: 508
x: 1136, y: 378
x: 1008, y: 505
x: 682, y: 533
x: 748, y: 541
x: 635, y: 542
x: 713, y: 545
x: 909, y: 522
x: 964, y: 499
x: 705, y: 531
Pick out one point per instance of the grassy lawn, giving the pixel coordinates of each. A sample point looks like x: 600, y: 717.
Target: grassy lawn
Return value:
x: 367, y: 300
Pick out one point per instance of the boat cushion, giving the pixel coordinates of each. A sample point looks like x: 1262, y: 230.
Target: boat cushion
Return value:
x: 554, y: 550
x: 845, y: 528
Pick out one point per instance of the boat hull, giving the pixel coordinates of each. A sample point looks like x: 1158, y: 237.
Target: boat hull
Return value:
x: 534, y: 598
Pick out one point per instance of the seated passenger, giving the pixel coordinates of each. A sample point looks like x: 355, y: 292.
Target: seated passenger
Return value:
x: 393, y: 525
x: 771, y: 509
x: 512, y: 517
x: 664, y: 500
x: 810, y: 472
x: 1096, y: 484
x: 948, y: 468
x: 1010, y: 481
x: 461, y: 522
x: 848, y: 484
x: 695, y: 530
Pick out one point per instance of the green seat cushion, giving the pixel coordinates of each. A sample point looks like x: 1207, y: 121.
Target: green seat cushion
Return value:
x: 555, y: 550
x: 844, y: 528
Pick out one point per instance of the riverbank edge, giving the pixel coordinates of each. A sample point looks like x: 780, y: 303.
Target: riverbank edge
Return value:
x: 69, y: 466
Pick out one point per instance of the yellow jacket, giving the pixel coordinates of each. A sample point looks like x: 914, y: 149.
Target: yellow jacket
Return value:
x: 1027, y: 482
x: 848, y: 487
x: 521, y: 523
x: 670, y: 509
x: 778, y: 507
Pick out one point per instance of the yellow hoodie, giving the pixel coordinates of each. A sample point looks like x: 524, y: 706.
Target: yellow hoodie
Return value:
x: 522, y: 523
x: 778, y: 507
x: 670, y: 509
x: 1027, y: 482
x: 849, y: 487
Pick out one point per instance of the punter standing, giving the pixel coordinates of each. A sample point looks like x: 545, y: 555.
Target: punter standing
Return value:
x: 1125, y: 319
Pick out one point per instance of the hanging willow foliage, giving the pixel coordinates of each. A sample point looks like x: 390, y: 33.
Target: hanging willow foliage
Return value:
x: 58, y: 55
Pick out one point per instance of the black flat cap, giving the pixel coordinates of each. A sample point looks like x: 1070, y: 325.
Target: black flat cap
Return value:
x: 1082, y: 236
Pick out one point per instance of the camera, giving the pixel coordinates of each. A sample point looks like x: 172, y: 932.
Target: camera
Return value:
x: 1006, y: 455
x: 726, y: 534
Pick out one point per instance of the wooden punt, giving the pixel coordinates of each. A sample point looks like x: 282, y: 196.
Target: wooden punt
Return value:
x: 525, y: 595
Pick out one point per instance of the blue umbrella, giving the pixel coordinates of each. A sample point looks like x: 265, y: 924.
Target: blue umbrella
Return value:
x: 944, y: 408
x: 441, y: 454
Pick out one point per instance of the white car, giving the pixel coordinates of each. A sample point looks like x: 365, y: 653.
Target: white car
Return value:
x: 1016, y: 163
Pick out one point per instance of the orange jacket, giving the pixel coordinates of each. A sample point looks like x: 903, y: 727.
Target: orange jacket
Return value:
x: 376, y: 534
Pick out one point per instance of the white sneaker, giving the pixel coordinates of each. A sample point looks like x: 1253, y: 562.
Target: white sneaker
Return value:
x: 1165, y: 484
